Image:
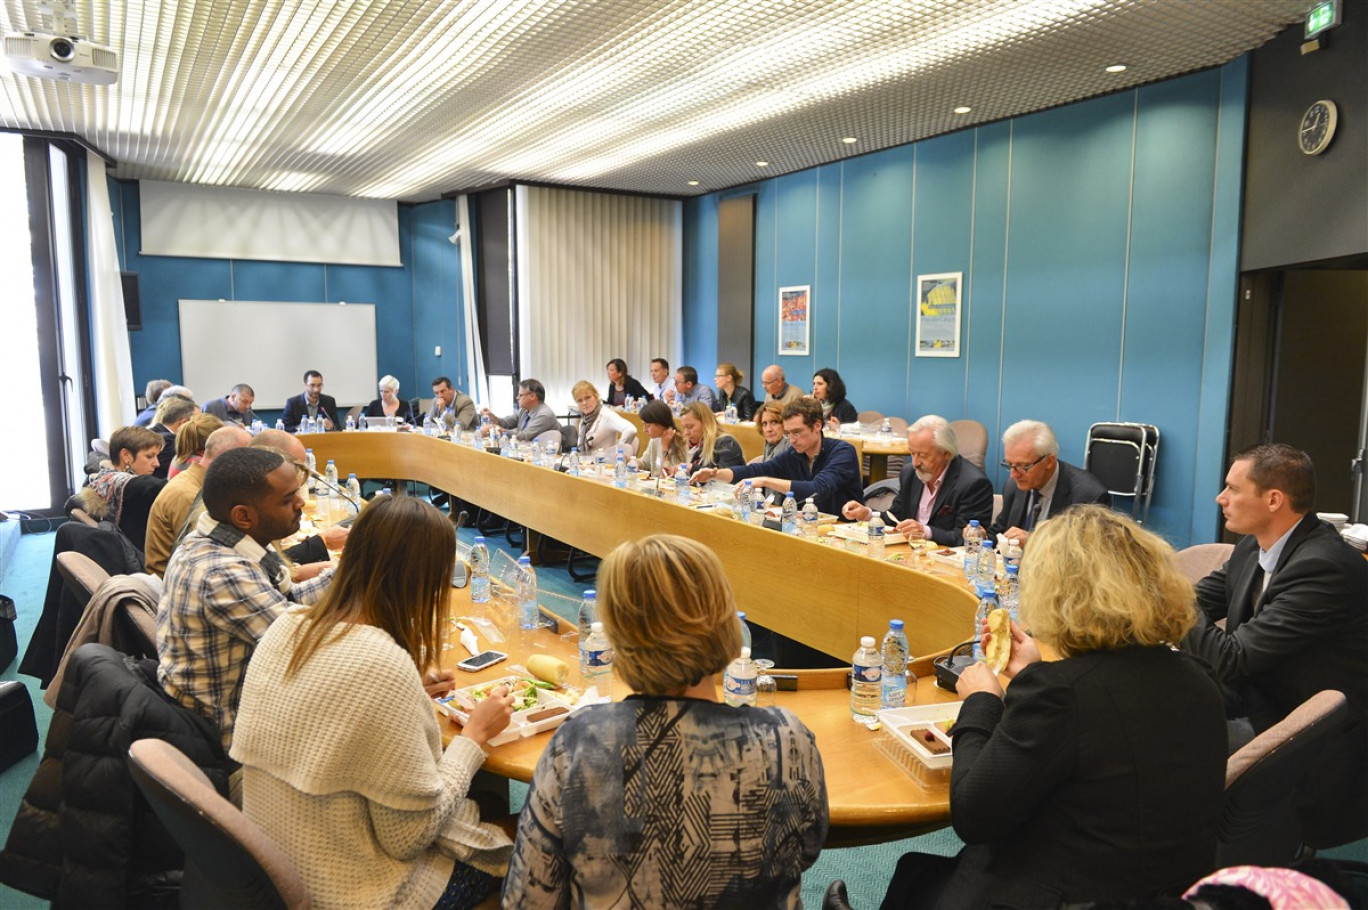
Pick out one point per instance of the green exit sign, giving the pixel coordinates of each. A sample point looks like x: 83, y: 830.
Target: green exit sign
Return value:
x: 1321, y: 17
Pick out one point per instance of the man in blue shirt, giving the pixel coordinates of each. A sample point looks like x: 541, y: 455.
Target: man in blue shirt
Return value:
x: 828, y: 470
x: 687, y: 389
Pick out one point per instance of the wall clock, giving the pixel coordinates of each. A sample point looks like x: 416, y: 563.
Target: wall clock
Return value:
x: 1317, y: 127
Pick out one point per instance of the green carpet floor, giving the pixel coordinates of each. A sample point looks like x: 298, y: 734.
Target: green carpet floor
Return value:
x: 865, y: 869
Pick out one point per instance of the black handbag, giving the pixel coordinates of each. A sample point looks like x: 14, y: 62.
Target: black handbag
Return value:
x: 9, y: 642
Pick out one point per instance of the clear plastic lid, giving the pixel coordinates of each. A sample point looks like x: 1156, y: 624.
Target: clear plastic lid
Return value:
x: 867, y: 641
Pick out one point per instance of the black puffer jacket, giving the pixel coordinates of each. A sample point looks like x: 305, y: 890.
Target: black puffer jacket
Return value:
x: 84, y: 836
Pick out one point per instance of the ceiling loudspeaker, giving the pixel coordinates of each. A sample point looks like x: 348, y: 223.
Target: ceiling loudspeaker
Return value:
x: 62, y: 57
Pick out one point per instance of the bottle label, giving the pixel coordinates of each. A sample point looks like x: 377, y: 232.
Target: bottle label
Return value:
x: 600, y: 660
x: 861, y: 674
x: 739, y: 687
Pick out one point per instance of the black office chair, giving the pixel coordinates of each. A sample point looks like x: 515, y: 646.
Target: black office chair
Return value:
x: 1260, y: 824
x: 230, y: 863
x: 1122, y: 456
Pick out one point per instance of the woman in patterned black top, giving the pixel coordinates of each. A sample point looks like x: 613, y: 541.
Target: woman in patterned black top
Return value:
x: 668, y: 798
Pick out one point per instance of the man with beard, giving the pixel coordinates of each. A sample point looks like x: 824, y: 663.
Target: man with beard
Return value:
x: 941, y: 492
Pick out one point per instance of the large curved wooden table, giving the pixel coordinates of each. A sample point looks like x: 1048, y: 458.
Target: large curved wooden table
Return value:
x: 820, y: 595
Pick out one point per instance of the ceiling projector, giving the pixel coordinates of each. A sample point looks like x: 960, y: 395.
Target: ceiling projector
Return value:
x: 62, y: 57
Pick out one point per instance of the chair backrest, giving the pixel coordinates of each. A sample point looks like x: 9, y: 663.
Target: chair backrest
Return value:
x: 1200, y: 560
x: 880, y: 496
x: 899, y: 426
x: 229, y: 861
x: 84, y: 518
x: 1122, y: 456
x: 869, y: 418
x: 1259, y: 820
x: 83, y: 575
x: 972, y: 439
x: 554, y: 437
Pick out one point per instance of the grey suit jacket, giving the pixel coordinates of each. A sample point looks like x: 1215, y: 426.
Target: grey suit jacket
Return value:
x: 528, y: 425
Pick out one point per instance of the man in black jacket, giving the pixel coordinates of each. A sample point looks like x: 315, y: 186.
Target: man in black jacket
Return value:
x: 1040, y: 484
x: 311, y: 403
x: 940, y: 492
x: 1294, y: 597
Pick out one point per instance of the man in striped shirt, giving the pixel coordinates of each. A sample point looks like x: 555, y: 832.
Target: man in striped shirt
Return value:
x: 226, y: 583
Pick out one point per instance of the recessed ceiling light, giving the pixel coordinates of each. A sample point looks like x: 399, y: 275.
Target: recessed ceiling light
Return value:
x: 962, y: 109
x: 1117, y: 68
x: 693, y: 183
x: 849, y: 140
x: 762, y: 164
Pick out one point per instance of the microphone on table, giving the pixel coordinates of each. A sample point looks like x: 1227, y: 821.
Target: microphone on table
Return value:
x: 459, y: 574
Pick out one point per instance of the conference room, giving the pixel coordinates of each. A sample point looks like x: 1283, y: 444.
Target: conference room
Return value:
x: 1114, y: 254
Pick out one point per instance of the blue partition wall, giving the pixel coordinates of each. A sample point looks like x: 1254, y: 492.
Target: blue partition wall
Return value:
x: 417, y: 304
x: 1098, y: 245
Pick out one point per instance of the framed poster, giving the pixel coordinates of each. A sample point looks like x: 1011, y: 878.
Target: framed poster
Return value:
x: 938, y: 314
x: 794, y: 319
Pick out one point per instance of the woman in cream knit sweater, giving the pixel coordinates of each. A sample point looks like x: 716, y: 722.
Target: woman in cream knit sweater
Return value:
x: 343, y: 765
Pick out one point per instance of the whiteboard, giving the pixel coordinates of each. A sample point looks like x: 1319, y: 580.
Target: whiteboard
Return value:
x: 269, y: 345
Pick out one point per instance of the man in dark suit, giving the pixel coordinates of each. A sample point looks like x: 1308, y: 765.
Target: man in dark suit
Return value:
x: 940, y: 492
x: 1040, y: 484
x: 1294, y: 597
x: 311, y: 403
x: 172, y: 413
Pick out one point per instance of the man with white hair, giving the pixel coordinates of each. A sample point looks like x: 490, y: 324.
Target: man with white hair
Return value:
x: 940, y: 491
x: 1039, y: 484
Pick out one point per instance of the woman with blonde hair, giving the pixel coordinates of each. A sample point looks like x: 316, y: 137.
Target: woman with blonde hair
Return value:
x: 190, y: 441
x: 389, y: 404
x: 709, y: 447
x: 667, y: 449
x: 769, y: 420
x: 601, y: 429
x: 1098, y: 776
x: 668, y: 796
x: 368, y: 805
x: 730, y: 392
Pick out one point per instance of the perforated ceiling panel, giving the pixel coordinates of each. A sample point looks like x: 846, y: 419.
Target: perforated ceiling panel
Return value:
x: 407, y: 100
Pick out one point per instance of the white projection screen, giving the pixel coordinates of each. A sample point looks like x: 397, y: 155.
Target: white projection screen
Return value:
x: 269, y: 345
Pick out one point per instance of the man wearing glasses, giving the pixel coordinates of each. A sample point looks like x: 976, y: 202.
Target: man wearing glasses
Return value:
x: 533, y: 417
x: 825, y: 469
x: 776, y: 388
x: 1040, y: 484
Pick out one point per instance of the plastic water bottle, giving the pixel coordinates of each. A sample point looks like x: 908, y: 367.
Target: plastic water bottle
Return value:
x: 505, y: 446
x: 573, y: 464
x: 810, y: 519
x: 731, y: 413
x: 745, y: 629
x: 757, y: 505
x: 987, y: 603
x: 257, y: 426
x: 973, y: 538
x: 747, y: 494
x: 886, y: 431
x: 682, y: 491
x: 484, y: 424
x: 866, y: 682
x: 479, y: 571
x: 895, y: 652
x: 312, y: 464
x: 351, y: 424
x: 280, y: 424
x: 596, y: 659
x: 1011, y: 555
x: 738, y: 685
x: 354, y: 488
x: 330, y: 472
x: 620, y: 472
x: 788, y: 516
x: 1011, y: 592
x: 527, y: 594
x: 875, y: 533
x: 987, y: 566
x: 588, y: 615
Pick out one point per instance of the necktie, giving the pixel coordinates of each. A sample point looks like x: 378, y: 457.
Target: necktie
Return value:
x: 1257, y: 585
x: 1032, y: 511
x: 524, y: 420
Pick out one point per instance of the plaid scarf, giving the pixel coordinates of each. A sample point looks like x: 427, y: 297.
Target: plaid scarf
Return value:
x: 236, y: 539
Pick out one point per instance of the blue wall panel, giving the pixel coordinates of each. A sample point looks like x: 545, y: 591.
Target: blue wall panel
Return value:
x: 438, y: 318
x: 1099, y: 258
x: 876, y: 201
x: 699, y: 344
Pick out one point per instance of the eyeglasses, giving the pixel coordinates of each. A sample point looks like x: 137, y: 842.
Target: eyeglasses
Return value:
x: 1022, y: 468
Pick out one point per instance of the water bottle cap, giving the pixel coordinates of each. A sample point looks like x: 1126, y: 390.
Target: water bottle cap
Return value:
x: 745, y: 653
x: 308, y: 451
x: 589, y: 594
x: 351, y: 475
x: 895, y: 624
x: 973, y: 523
x: 330, y: 461
x: 596, y: 627
x: 1012, y: 568
x: 987, y: 545
x: 867, y: 641
x: 479, y: 538
x: 741, y: 615
x: 524, y: 560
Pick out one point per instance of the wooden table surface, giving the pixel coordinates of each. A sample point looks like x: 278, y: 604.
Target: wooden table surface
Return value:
x: 824, y: 596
